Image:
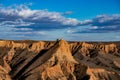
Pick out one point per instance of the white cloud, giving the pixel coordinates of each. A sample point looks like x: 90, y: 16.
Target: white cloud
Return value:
x: 22, y: 29
x: 25, y: 13
x: 94, y: 27
x: 69, y: 31
x: 85, y: 22
x: 17, y: 22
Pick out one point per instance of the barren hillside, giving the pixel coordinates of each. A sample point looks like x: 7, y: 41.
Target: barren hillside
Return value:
x: 59, y: 60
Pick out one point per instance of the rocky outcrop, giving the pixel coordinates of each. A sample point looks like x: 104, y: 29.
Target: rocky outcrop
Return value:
x: 59, y: 60
x: 4, y: 74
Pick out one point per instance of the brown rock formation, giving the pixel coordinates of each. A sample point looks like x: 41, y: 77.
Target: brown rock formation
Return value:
x: 59, y: 60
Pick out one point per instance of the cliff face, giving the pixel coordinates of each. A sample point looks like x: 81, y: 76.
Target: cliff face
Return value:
x: 59, y: 60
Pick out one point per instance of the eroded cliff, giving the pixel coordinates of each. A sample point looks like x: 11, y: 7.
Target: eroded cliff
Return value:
x: 59, y: 60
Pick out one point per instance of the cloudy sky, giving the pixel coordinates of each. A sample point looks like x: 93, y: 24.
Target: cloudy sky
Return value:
x: 79, y: 20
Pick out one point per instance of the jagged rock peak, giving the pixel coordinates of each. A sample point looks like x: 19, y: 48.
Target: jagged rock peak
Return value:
x: 63, y: 43
x: 63, y: 51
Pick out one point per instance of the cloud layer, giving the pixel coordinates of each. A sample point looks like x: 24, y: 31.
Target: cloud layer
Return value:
x: 22, y: 16
x: 102, y: 24
x: 22, y: 21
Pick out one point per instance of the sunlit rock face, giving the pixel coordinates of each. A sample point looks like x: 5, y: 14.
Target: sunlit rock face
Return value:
x: 59, y: 60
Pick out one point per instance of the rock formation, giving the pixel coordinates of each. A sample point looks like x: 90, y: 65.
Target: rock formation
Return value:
x: 59, y: 60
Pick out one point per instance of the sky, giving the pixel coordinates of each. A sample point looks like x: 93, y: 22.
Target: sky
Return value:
x: 73, y: 20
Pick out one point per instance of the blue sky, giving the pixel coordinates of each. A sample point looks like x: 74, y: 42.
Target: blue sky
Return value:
x: 79, y: 20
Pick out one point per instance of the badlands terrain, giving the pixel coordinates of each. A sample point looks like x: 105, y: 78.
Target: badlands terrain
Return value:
x: 59, y: 60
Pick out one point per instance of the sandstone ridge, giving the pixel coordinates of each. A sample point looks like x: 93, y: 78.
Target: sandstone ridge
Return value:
x: 59, y: 60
